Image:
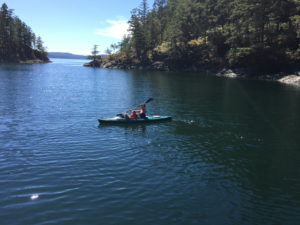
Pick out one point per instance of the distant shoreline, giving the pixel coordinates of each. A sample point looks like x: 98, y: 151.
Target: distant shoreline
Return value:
x: 65, y: 55
x: 26, y: 61
x: 33, y: 61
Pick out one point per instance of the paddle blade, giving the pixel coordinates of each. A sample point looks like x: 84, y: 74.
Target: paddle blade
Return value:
x: 149, y: 100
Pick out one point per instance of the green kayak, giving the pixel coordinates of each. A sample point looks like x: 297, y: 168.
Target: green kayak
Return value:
x: 120, y: 120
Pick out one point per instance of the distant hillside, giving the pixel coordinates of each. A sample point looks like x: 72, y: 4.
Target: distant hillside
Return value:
x: 65, y: 55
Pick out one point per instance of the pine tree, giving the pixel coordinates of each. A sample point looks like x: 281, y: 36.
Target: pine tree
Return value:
x: 95, y: 53
x: 232, y: 32
x: 17, y: 40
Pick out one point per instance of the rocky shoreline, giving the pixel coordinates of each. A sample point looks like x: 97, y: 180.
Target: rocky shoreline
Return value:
x: 286, y: 78
x: 118, y: 64
x: 282, y: 77
x: 34, y: 61
x: 27, y: 61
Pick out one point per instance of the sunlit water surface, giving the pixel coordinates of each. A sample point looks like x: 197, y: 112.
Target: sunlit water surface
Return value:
x: 230, y: 156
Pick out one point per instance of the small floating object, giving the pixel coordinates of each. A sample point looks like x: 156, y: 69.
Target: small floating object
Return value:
x: 33, y: 197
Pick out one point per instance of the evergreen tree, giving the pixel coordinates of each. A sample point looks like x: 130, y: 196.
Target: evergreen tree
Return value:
x: 5, y: 31
x: 139, y: 27
x: 95, y: 53
x: 39, y: 44
x: 17, y: 41
x: 254, y: 33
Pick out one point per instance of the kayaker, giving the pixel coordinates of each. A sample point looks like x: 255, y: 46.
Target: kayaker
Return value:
x: 141, y: 112
x: 133, y: 115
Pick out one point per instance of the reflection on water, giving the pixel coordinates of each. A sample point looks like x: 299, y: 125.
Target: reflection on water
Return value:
x: 230, y: 156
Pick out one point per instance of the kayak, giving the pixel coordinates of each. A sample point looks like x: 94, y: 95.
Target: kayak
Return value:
x: 120, y: 120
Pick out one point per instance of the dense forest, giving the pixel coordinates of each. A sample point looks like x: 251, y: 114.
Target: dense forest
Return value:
x: 258, y: 34
x: 17, y: 41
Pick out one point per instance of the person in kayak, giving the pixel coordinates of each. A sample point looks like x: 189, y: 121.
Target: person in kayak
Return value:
x: 133, y: 115
x: 141, y: 112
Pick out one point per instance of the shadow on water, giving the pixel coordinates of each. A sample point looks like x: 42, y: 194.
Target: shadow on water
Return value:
x: 139, y: 127
x: 243, y: 132
x: 255, y: 161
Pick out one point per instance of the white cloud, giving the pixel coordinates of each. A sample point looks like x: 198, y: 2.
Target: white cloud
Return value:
x: 116, y: 29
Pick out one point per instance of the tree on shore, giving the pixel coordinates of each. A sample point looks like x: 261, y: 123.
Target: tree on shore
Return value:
x: 237, y: 33
x: 39, y: 45
x: 94, y: 53
x: 17, y: 40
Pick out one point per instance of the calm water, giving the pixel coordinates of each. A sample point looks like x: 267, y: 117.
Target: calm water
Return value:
x: 230, y: 156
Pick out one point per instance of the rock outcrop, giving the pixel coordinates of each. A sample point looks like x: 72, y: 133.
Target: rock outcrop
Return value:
x: 290, y: 79
x: 117, y: 64
x: 227, y: 73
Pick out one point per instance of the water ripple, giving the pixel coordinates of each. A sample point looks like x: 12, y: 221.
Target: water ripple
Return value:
x: 222, y: 160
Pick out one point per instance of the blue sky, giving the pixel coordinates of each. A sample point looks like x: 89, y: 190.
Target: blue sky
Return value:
x: 75, y: 26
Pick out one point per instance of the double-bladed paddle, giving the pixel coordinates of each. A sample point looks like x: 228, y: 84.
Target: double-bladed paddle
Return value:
x: 148, y: 100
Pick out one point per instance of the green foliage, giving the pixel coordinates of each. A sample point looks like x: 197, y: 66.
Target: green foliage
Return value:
x: 40, y: 45
x: 17, y: 41
x: 258, y: 58
x: 237, y: 33
x: 140, y: 29
x: 94, y: 53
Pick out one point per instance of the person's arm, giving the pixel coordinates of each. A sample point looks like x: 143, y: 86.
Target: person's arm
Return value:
x: 135, y: 110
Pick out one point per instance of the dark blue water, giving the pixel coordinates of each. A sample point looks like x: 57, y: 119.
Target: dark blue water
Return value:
x: 230, y: 156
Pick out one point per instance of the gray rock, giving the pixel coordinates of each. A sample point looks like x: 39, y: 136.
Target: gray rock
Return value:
x: 290, y: 79
x: 227, y: 73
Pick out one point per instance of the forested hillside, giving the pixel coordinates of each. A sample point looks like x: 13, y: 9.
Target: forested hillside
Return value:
x: 261, y: 34
x: 17, y: 41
